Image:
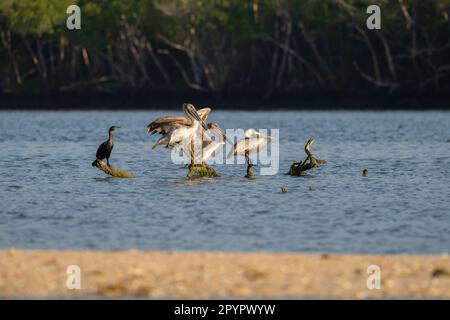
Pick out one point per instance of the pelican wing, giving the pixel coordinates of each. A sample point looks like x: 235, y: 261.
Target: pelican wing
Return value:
x: 209, y: 150
x: 238, y: 148
x: 163, y: 124
x: 165, y: 139
x: 204, y: 113
x: 211, y: 143
x: 177, y: 130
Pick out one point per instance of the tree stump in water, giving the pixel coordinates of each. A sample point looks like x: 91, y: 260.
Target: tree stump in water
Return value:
x: 201, y: 171
x: 114, y: 172
x: 299, y: 168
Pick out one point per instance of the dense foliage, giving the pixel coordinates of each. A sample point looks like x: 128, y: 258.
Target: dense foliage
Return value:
x: 225, y: 47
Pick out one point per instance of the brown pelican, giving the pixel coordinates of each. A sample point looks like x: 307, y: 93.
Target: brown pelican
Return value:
x: 175, y: 129
x: 105, y: 149
x: 253, y: 142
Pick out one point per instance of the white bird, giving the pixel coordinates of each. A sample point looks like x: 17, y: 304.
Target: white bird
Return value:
x: 252, y: 143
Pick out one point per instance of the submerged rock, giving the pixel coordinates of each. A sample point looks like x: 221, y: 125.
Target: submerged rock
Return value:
x: 201, y: 170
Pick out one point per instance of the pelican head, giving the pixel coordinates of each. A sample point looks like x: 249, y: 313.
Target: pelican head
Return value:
x: 215, y: 126
x: 192, y: 114
x: 252, y: 133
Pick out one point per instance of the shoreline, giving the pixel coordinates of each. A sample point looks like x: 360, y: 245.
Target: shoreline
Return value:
x: 123, y: 101
x: 203, y: 275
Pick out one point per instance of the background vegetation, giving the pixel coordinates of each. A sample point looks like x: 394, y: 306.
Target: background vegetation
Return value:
x: 225, y: 47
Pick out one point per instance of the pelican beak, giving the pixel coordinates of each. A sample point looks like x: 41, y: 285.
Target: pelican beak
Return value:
x: 204, y: 125
x: 190, y: 110
x: 263, y: 136
x: 197, y: 117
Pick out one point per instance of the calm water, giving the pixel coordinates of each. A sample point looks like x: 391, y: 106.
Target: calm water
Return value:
x: 51, y: 197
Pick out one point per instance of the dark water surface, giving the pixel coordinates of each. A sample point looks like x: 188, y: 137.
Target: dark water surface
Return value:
x: 51, y: 197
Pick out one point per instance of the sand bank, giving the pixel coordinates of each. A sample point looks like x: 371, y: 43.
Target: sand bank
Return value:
x: 29, y: 273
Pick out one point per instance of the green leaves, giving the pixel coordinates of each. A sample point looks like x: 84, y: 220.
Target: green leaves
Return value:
x: 37, y: 17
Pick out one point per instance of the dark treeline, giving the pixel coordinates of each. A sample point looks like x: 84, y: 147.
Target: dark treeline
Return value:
x: 225, y: 48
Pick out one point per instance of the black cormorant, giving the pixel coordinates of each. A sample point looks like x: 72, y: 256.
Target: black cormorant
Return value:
x: 105, y: 149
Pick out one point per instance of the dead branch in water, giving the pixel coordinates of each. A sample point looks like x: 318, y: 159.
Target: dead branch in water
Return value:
x: 114, y: 172
x: 299, y: 168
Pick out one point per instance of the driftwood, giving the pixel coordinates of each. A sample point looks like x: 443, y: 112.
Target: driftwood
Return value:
x: 114, y: 172
x: 201, y: 170
x: 299, y: 168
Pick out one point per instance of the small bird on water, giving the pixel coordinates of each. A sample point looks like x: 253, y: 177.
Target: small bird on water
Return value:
x: 105, y: 149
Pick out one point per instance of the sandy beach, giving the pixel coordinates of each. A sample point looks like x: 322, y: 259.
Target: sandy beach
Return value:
x: 147, y: 274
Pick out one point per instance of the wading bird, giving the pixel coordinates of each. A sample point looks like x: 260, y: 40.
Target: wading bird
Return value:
x: 105, y: 149
x: 252, y: 143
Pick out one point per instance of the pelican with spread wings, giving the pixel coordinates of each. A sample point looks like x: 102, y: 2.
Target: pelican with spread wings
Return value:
x: 174, y: 130
x: 182, y: 132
